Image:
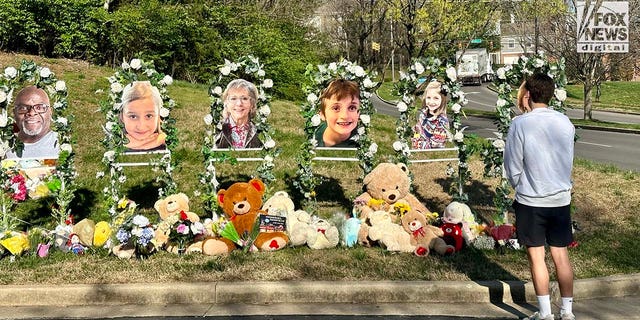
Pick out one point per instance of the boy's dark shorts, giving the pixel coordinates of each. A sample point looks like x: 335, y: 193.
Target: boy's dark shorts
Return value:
x: 536, y: 226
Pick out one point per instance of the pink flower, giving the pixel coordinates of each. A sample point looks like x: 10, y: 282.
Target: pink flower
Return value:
x: 182, y: 229
x: 19, y: 188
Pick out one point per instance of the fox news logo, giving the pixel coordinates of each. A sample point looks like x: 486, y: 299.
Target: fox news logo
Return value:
x: 603, y: 26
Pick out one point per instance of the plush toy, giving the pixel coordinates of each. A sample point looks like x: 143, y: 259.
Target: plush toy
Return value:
x: 169, y: 210
x: 325, y: 236
x: 457, y: 212
x: 423, y: 235
x: 387, y: 185
x: 101, y: 234
x: 280, y: 204
x: 453, y: 235
x: 241, y: 203
x: 349, y: 231
x: 74, y: 244
x: 299, y: 228
x: 390, y: 235
x: 85, y: 230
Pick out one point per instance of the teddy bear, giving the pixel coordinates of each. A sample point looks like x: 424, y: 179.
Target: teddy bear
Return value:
x: 457, y: 212
x: 423, y: 235
x: 170, y: 209
x: 386, y: 186
x: 280, y: 204
x: 325, y: 234
x: 389, y: 234
x: 453, y: 235
x: 241, y: 204
x: 299, y: 228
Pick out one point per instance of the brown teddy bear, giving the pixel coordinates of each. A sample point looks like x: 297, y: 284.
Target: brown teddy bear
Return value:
x: 169, y: 210
x: 423, y: 235
x: 241, y: 204
x: 387, y: 186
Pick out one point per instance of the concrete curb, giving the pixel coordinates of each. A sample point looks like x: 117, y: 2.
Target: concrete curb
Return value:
x: 357, y: 292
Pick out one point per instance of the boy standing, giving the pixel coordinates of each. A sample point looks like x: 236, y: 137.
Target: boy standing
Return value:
x: 538, y: 161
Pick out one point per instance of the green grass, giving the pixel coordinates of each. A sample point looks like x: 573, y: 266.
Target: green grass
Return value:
x: 606, y: 204
x: 621, y: 96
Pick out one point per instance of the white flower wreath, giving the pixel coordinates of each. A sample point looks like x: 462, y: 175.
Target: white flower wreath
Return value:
x: 115, y: 138
x: 425, y: 69
x: 509, y: 78
x: 248, y: 68
x: 42, y: 77
x: 321, y: 77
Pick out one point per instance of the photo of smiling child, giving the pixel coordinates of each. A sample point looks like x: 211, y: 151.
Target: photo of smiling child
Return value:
x: 141, y: 103
x: 432, y: 127
x: 240, y: 106
x: 339, y: 111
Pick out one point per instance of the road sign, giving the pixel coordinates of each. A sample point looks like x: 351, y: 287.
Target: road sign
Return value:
x: 476, y: 40
x: 375, y: 46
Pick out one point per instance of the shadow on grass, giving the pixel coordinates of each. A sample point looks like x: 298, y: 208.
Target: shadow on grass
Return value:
x: 329, y: 190
x: 37, y: 212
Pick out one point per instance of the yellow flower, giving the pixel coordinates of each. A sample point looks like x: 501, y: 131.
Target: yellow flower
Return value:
x: 375, y: 202
x: 6, y: 164
x: 401, y: 208
x: 123, y: 203
x: 41, y: 191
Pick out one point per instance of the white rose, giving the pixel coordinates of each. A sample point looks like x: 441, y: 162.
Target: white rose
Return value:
x: 62, y: 120
x: 269, y: 144
x: 459, y: 136
x: 501, y: 73
x: 451, y: 73
x: 538, y: 63
x: 560, y: 94
x: 402, y: 107
x: 217, y: 90
x: 456, y: 108
x: 57, y: 105
x: 197, y: 228
x: 167, y: 80
x: 418, y: 67
x: 4, y: 118
x: 268, y: 158
x: 61, y: 86
x: 125, y: 65
x: 501, y: 103
x: 498, y: 144
x: 333, y: 66
x: 3, y: 96
x: 267, y: 83
x: 99, y: 174
x: 358, y: 71
x: 367, y: 83
x: 265, y: 110
x: 109, y: 125
x: 45, y: 72
x: 116, y: 87
x: 149, y: 72
x: 316, y: 120
x: 164, y: 112
x: 208, y: 119
x: 373, y: 148
x: 361, y: 130
x: 135, y: 64
x: 366, y: 119
x: 66, y: 147
x: 117, y: 106
x: 260, y: 73
x: 312, y: 98
x: 109, y: 155
x: 225, y: 70
x: 10, y: 72
x: 397, y: 146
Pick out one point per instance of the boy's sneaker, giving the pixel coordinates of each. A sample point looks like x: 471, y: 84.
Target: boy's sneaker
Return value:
x: 536, y: 316
x: 567, y: 316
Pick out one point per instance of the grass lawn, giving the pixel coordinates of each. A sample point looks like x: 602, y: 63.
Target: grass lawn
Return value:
x: 606, y: 203
x: 621, y: 96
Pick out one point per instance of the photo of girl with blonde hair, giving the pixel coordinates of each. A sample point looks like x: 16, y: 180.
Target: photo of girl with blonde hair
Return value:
x: 432, y: 127
x: 141, y: 103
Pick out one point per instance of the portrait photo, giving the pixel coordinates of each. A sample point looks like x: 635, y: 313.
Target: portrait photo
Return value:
x: 140, y: 116
x: 240, y: 106
x: 339, y: 112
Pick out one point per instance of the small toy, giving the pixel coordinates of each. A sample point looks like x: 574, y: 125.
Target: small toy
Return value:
x: 390, y: 235
x: 424, y: 236
x: 325, y: 236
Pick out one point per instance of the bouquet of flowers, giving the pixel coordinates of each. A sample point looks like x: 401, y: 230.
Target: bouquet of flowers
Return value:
x: 136, y: 232
x: 13, y: 189
x: 184, y: 232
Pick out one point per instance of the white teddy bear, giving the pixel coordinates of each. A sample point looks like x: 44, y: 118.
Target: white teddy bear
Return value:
x: 457, y: 212
x: 325, y: 235
x: 390, y: 235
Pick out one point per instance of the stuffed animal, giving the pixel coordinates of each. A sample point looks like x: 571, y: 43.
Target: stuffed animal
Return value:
x: 390, y: 235
x: 241, y: 203
x: 457, y: 212
x: 280, y: 204
x: 101, y: 234
x: 325, y: 236
x: 299, y: 228
x: 85, y: 230
x: 170, y: 209
x: 423, y: 235
x: 387, y: 185
x: 350, y: 229
x: 453, y: 235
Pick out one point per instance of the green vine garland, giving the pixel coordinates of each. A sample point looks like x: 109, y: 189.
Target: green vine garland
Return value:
x: 320, y: 77
x: 429, y: 67
x: 509, y: 79
x: 250, y: 69
x: 61, y: 183
x: 115, y: 138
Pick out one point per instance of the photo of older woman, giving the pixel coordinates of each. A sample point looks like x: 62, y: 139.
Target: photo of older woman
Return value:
x: 238, y: 131
x: 140, y: 115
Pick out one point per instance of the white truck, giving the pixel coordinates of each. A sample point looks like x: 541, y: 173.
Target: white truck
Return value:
x: 474, y: 66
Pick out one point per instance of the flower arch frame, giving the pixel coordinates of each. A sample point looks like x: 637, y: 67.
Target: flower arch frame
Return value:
x: 320, y: 76
x: 61, y: 182
x: 115, y: 138
x: 248, y: 68
x: 406, y: 87
x: 508, y: 79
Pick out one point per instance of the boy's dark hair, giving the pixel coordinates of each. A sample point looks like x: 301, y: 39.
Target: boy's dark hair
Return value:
x: 541, y: 88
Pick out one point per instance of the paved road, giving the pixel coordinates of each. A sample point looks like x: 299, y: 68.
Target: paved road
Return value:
x: 619, y: 149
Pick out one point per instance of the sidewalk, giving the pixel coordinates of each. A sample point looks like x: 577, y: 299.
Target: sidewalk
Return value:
x: 488, y: 299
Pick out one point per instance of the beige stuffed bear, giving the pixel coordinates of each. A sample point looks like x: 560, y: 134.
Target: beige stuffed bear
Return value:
x: 386, y: 185
x: 299, y: 228
x: 390, y: 235
x: 280, y: 204
x: 325, y: 236
x: 169, y: 210
x: 457, y: 212
x: 423, y: 235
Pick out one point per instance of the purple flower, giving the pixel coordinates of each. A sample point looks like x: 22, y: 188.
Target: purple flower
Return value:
x: 123, y: 235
